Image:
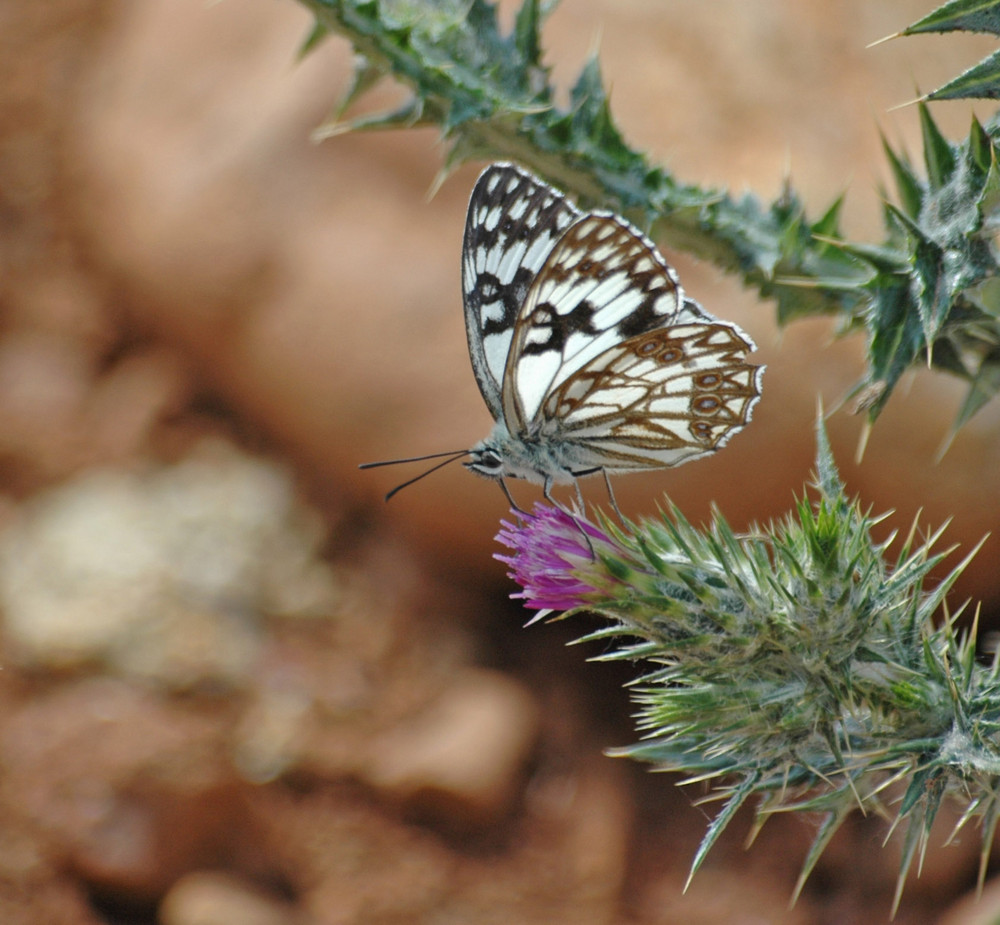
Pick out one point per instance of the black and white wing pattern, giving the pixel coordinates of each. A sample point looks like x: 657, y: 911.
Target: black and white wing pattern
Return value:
x: 602, y: 283
x: 611, y: 357
x: 514, y: 221
x: 586, y: 348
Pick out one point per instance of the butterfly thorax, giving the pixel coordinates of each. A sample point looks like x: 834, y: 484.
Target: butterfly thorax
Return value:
x: 536, y: 456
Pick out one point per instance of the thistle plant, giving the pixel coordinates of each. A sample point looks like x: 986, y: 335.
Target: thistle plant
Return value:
x: 796, y: 665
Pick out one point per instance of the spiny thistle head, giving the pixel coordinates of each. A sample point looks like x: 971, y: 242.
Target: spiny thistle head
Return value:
x: 796, y: 664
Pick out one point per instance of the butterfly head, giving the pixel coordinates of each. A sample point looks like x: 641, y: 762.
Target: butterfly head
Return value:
x: 503, y: 455
x: 486, y: 461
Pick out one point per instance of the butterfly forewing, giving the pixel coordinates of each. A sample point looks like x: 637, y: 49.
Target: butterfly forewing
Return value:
x: 514, y: 221
x: 658, y: 399
x: 604, y: 282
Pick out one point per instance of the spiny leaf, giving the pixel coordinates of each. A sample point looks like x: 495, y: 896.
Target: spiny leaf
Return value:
x: 989, y: 201
x: 911, y: 844
x: 491, y: 96
x: 981, y: 81
x: 908, y: 186
x: 984, y: 386
x: 896, y: 337
x: 827, y: 477
x: 938, y: 154
x: 591, y: 114
x: 408, y: 115
x: 313, y: 39
x: 989, y: 827
x: 828, y: 828
x: 933, y: 295
x: 965, y: 15
x: 980, y: 152
x: 722, y: 819
x: 364, y: 75
x: 527, y: 28
x: 828, y: 224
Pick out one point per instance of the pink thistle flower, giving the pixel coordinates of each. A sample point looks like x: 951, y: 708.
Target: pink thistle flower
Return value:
x: 552, y: 561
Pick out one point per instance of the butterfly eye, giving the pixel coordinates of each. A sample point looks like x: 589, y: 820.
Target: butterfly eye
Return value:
x: 487, y: 461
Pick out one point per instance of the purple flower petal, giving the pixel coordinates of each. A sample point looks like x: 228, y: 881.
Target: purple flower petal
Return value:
x: 552, y: 559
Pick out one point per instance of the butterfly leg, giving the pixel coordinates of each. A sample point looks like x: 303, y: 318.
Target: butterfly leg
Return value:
x: 547, y: 491
x: 611, y: 495
x: 510, y: 499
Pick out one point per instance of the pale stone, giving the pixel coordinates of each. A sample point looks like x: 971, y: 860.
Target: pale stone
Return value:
x: 162, y: 573
x: 209, y: 898
x: 465, y: 752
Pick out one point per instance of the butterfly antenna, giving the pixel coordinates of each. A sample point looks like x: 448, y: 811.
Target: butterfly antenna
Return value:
x: 395, y: 462
x: 440, y: 465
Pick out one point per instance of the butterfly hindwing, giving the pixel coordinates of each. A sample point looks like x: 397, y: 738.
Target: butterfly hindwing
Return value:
x: 514, y: 221
x: 658, y: 399
x: 603, y: 283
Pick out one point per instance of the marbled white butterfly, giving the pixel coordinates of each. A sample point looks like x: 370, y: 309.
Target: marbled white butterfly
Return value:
x: 586, y: 349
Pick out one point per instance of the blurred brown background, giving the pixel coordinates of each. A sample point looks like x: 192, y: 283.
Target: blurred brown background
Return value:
x: 236, y: 688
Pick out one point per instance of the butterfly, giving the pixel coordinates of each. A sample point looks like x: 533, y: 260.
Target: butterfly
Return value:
x: 589, y: 354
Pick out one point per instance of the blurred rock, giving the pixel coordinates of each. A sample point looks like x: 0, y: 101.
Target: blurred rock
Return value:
x: 129, y: 400
x: 44, y: 381
x: 210, y: 898
x: 718, y: 895
x: 352, y: 863
x: 464, y: 754
x: 592, y: 805
x: 65, y: 407
x: 975, y: 910
x: 164, y: 573
x: 33, y: 889
x: 268, y: 739
x: 129, y: 791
